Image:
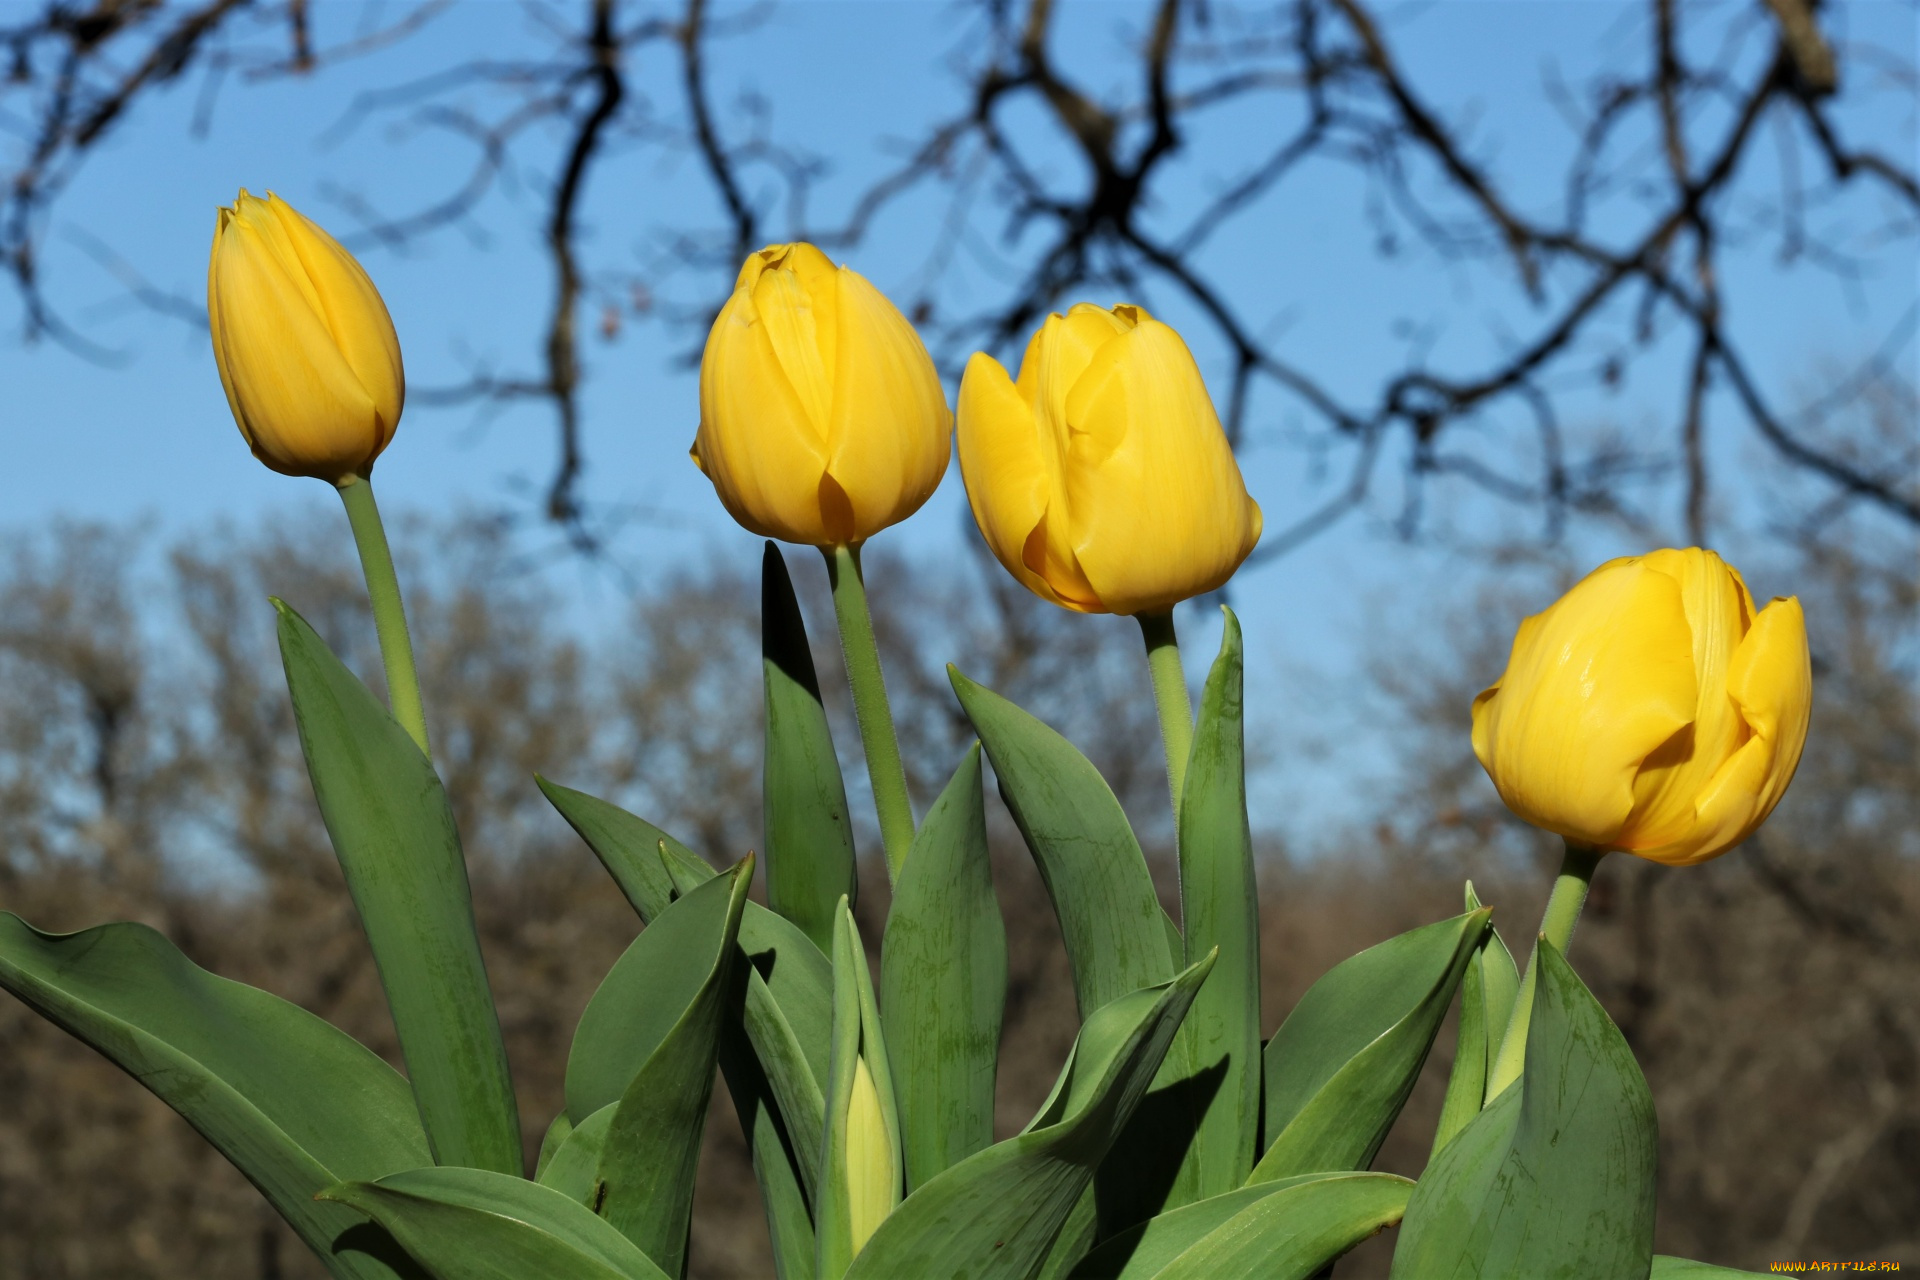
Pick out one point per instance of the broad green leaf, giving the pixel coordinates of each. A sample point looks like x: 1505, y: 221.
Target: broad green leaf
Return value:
x: 1286, y: 1230
x: 1343, y: 1063
x: 650, y: 987
x: 1467, y: 1082
x: 1221, y: 908
x: 943, y: 975
x: 1102, y: 893
x: 573, y: 1169
x: 645, y: 1182
x: 809, y: 839
x: 629, y: 848
x: 847, y: 1200
x: 1555, y: 1179
x: 393, y: 833
x: 995, y: 1215
x: 775, y: 1163
x: 1665, y: 1268
x: 295, y: 1103
x: 795, y: 1090
x: 471, y: 1224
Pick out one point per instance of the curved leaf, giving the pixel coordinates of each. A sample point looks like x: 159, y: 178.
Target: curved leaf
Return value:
x: 1555, y: 1179
x: 1487, y: 992
x: 995, y: 1215
x: 471, y: 1224
x: 295, y: 1103
x: 573, y: 1166
x: 943, y: 975
x: 809, y: 840
x: 392, y: 830
x: 632, y: 849
x: 1220, y: 904
x: 857, y: 1039
x: 1145, y: 1248
x: 1665, y: 1268
x: 1343, y: 1063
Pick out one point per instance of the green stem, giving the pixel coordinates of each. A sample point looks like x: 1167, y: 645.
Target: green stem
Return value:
x: 884, y: 770
x: 1556, y: 926
x: 1170, y: 696
x: 389, y: 614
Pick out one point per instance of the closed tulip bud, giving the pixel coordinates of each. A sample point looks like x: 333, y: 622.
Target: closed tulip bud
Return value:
x: 306, y: 350
x: 822, y: 419
x: 873, y: 1181
x: 1651, y: 709
x: 1101, y: 479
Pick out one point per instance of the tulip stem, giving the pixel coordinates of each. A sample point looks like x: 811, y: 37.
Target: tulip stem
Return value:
x: 885, y: 772
x: 1170, y: 696
x: 389, y: 613
x: 1556, y: 926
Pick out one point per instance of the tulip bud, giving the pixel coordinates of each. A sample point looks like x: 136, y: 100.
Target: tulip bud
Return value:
x: 306, y: 350
x: 1101, y: 479
x: 873, y: 1183
x: 822, y: 419
x: 1651, y: 709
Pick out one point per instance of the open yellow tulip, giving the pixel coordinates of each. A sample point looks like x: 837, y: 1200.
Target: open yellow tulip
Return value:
x: 1652, y: 709
x: 822, y: 418
x: 1101, y: 479
x: 306, y: 350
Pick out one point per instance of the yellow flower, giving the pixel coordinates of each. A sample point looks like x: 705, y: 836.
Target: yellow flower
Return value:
x: 1651, y: 709
x: 873, y: 1183
x: 822, y: 419
x: 1101, y: 479
x: 306, y: 350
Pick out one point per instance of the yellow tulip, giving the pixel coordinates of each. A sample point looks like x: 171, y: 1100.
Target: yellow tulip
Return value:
x: 1651, y: 709
x: 306, y: 350
x: 822, y: 419
x: 873, y: 1181
x: 1101, y: 479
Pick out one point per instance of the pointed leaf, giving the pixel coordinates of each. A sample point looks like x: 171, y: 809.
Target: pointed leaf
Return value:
x: 794, y: 1088
x: 1467, y: 1082
x: 573, y: 1169
x: 645, y: 1182
x: 1146, y: 1247
x: 995, y: 1215
x: 556, y: 1136
x: 296, y: 1104
x: 943, y: 972
x: 1345, y: 1060
x: 1102, y: 893
x: 1665, y: 1268
x: 470, y: 1224
x: 628, y: 847
x: 809, y: 840
x: 393, y: 833
x: 1221, y: 907
x: 857, y: 1041
x: 776, y: 1164
x: 1555, y: 1178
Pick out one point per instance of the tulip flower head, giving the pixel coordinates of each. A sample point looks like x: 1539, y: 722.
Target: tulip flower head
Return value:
x: 305, y: 347
x: 1101, y: 478
x: 1651, y: 709
x: 822, y: 419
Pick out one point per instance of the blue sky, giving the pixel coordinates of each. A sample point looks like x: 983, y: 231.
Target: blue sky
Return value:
x: 152, y: 437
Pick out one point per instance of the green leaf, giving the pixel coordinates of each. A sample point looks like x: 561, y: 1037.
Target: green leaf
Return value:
x: 995, y: 1215
x: 393, y: 833
x: 943, y: 974
x: 809, y: 840
x: 1094, y: 871
x: 645, y: 1182
x: 294, y: 1103
x: 776, y: 1166
x: 1221, y: 908
x: 857, y: 1037
x: 1343, y: 1063
x: 794, y: 1088
x: 1472, y: 1057
x: 557, y: 1134
x: 629, y: 848
x: 1665, y: 1268
x: 471, y: 1224
x: 1555, y: 1179
x: 1285, y: 1230
x: 573, y: 1169
x: 1500, y: 982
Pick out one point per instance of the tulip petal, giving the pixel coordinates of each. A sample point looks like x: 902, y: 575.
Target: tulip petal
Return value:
x: 1002, y: 465
x: 353, y: 311
x: 1158, y: 510
x: 891, y: 434
x: 767, y: 465
x: 1771, y: 682
x: 1594, y: 685
x: 290, y: 384
x: 791, y: 328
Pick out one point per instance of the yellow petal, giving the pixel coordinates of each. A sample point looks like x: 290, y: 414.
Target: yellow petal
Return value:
x: 891, y: 433
x: 1594, y: 685
x: 1002, y: 465
x: 297, y: 401
x: 755, y: 443
x: 353, y: 311
x: 1158, y: 509
x: 791, y: 329
x: 873, y: 1179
